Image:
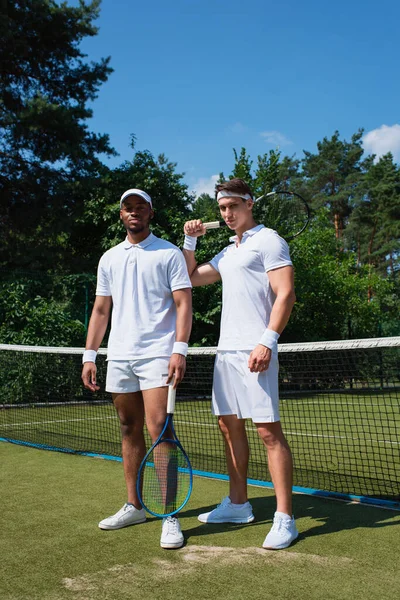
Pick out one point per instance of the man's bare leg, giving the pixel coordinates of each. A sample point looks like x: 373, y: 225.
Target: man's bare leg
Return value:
x: 130, y: 411
x: 280, y: 464
x: 237, y: 456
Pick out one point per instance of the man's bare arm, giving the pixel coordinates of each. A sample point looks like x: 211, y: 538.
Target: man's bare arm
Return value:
x: 202, y: 274
x: 282, y: 284
x: 205, y: 273
x: 183, y: 303
x: 96, y: 330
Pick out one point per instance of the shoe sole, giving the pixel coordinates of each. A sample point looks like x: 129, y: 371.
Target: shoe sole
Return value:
x: 112, y: 527
x: 171, y: 546
x: 248, y: 520
x: 280, y: 547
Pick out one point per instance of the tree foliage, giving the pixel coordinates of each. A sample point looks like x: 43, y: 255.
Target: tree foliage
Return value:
x: 60, y: 204
x: 374, y: 227
x: 100, y: 228
x: 48, y: 157
x: 342, y: 290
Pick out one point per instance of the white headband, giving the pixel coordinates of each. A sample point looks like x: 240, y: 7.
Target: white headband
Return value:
x: 136, y: 192
x: 226, y: 194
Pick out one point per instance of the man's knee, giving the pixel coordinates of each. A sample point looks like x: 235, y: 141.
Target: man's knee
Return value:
x: 231, y: 427
x: 223, y: 427
x: 155, y: 426
x: 271, y: 434
x: 130, y: 425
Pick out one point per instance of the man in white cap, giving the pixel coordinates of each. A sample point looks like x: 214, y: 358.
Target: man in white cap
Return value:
x: 258, y: 296
x: 144, y: 284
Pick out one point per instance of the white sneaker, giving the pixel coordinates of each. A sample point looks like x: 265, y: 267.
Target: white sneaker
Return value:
x: 128, y: 515
x: 171, y: 534
x: 226, y: 512
x: 282, y: 534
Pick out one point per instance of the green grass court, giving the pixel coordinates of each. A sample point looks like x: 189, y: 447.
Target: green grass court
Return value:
x: 340, y: 442
x: 52, y: 549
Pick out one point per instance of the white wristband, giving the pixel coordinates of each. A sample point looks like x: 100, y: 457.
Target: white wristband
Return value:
x: 270, y: 339
x: 89, y: 356
x: 180, y: 348
x: 190, y: 243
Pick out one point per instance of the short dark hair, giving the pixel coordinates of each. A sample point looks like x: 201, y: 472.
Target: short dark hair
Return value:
x: 234, y: 185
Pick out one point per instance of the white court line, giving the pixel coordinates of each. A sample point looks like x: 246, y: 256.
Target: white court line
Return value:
x: 55, y: 421
x: 338, y: 403
x: 317, y: 435
x: 193, y: 423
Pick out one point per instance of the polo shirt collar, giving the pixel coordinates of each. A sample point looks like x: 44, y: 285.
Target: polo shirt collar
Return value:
x: 247, y: 233
x: 143, y: 244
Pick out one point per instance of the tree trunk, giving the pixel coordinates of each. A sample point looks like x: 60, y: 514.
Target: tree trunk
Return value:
x: 338, y: 222
x: 370, y: 244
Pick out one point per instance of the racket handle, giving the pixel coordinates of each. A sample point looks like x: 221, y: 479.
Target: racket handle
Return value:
x: 171, y: 400
x: 214, y: 224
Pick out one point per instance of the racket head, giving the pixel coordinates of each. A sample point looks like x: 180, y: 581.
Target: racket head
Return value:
x: 285, y: 212
x: 165, y: 477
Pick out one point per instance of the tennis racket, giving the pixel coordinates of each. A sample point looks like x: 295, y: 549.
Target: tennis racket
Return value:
x: 165, y: 477
x: 286, y: 212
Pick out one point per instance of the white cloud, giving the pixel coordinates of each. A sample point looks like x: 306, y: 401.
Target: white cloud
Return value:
x: 237, y: 127
x: 205, y: 186
x: 276, y: 138
x: 382, y: 140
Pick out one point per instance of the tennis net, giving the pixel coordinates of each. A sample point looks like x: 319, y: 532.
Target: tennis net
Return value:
x: 340, y: 410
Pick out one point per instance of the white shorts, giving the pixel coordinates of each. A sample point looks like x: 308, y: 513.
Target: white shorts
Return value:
x: 237, y: 391
x: 127, y: 376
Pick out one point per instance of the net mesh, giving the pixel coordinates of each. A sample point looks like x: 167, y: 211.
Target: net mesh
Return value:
x: 340, y: 411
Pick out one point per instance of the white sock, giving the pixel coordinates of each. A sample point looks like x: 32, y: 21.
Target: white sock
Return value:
x: 283, y: 515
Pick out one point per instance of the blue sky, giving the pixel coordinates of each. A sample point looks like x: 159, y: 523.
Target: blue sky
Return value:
x: 195, y: 78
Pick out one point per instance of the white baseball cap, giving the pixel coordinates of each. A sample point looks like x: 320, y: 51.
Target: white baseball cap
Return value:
x: 135, y: 192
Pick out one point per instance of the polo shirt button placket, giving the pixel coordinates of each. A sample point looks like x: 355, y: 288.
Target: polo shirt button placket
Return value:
x: 133, y: 256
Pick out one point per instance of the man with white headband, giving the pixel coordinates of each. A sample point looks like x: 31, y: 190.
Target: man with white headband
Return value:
x: 144, y: 280
x: 258, y: 297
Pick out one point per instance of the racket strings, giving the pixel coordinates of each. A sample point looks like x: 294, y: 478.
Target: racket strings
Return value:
x: 165, y: 480
x: 284, y: 212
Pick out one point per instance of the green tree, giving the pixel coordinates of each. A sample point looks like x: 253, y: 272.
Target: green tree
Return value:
x: 205, y: 207
x: 243, y: 166
x: 40, y: 310
x: 332, y: 290
x: 100, y: 227
x: 337, y: 296
x: 333, y: 174
x: 374, y: 228
x: 48, y: 157
x: 267, y: 174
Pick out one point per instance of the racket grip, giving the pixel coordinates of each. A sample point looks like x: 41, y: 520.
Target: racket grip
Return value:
x: 171, y: 400
x: 214, y: 224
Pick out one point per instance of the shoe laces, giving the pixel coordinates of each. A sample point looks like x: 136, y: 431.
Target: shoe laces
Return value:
x: 224, y: 502
x: 280, y: 523
x: 172, y: 525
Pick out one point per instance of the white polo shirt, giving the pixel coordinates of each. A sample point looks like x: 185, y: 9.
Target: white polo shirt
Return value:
x: 141, y: 278
x: 247, y: 297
